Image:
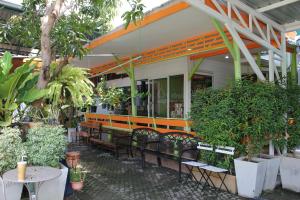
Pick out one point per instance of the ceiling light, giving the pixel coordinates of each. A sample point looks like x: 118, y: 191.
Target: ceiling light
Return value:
x: 227, y: 57
x: 189, y: 49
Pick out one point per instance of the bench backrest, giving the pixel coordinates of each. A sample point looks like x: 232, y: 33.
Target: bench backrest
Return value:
x: 145, y: 135
x: 128, y: 123
x: 182, y: 140
x: 219, y: 149
x: 182, y: 144
x: 220, y: 153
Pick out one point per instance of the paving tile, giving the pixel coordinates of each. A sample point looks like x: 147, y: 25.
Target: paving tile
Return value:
x: 123, y: 179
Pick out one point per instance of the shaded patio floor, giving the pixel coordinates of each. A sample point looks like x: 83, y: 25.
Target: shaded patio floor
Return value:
x: 123, y: 179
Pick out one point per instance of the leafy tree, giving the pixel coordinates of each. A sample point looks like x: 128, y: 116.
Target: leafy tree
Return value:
x: 60, y: 28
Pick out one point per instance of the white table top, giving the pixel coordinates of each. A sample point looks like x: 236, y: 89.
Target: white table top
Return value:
x: 33, y: 174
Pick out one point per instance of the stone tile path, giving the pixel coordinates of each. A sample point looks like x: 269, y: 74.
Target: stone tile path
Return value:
x: 123, y: 179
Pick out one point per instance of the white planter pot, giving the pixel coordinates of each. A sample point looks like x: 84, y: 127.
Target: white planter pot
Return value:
x: 54, y: 189
x: 273, y: 164
x: 250, y: 177
x: 290, y: 173
x: 71, y: 134
x: 13, y: 190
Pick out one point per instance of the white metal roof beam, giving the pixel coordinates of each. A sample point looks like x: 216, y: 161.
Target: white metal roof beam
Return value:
x: 292, y: 26
x: 276, y: 5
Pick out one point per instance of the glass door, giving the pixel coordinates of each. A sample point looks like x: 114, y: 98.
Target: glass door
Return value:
x: 159, y: 97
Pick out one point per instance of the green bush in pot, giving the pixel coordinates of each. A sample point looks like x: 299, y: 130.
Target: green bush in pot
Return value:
x: 46, y: 145
x: 11, y: 148
x: 245, y: 115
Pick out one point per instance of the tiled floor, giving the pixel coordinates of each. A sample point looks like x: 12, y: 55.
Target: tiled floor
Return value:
x: 123, y: 179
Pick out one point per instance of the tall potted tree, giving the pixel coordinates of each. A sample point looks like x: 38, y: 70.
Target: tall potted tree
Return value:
x: 290, y: 164
x: 243, y: 116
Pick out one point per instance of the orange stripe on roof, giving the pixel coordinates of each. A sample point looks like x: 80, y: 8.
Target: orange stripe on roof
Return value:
x: 148, y: 19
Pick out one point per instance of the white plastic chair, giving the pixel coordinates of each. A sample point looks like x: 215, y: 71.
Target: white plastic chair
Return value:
x: 10, y: 191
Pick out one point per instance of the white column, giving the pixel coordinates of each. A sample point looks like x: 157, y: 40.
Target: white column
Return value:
x: 187, y: 89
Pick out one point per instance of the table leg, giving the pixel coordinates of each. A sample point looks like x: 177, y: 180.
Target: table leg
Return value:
x: 33, y: 189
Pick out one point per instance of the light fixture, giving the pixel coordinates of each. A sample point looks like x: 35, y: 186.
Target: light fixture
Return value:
x: 226, y: 57
x: 189, y: 49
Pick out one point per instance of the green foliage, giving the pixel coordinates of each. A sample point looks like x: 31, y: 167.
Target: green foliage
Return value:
x: 11, y: 149
x: 135, y: 14
x: 245, y: 110
x: 110, y: 95
x: 16, y: 88
x: 80, y: 21
x: 71, y: 87
x: 45, y: 145
x: 78, y: 174
x: 293, y: 93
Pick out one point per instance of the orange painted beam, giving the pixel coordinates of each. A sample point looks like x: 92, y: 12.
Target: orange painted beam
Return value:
x: 148, y: 19
x: 220, y: 52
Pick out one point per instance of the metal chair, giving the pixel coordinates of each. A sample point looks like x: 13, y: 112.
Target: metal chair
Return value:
x: 145, y: 140
x: 182, y: 145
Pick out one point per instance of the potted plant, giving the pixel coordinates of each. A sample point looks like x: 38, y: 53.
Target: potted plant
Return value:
x: 245, y: 115
x: 78, y: 175
x: 290, y: 163
x: 11, y: 150
x: 46, y: 146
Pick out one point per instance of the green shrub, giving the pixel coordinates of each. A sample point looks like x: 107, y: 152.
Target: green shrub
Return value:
x: 293, y: 92
x: 254, y: 111
x: 46, y: 145
x: 11, y: 149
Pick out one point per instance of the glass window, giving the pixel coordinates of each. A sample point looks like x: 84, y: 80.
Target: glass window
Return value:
x: 176, y: 96
x: 160, y: 97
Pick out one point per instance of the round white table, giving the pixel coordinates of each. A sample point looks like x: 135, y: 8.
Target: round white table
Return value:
x: 35, y: 177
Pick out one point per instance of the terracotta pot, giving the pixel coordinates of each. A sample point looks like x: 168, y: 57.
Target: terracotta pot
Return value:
x: 77, y: 186
x: 291, y: 121
x: 73, y: 158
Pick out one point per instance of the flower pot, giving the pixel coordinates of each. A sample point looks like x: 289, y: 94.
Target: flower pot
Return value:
x: 273, y: 164
x: 71, y: 134
x: 54, y: 189
x: 77, y: 186
x: 250, y: 177
x: 290, y: 173
x: 73, y: 158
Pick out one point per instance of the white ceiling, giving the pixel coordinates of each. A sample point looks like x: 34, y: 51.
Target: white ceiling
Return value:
x: 181, y: 25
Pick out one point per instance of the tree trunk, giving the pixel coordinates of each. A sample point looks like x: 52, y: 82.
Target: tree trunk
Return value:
x: 47, y: 24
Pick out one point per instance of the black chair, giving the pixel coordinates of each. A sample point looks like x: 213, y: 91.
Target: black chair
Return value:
x: 178, y: 146
x: 145, y: 140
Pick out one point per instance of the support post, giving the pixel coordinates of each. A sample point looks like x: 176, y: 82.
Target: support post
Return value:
x: 271, y: 79
x: 294, y: 72
x: 232, y: 47
x: 283, y: 57
x: 237, y: 62
x: 195, y: 68
x: 131, y: 75
x: 271, y: 66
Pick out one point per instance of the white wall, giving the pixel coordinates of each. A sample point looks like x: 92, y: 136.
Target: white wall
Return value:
x: 155, y: 71
x: 222, y: 72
